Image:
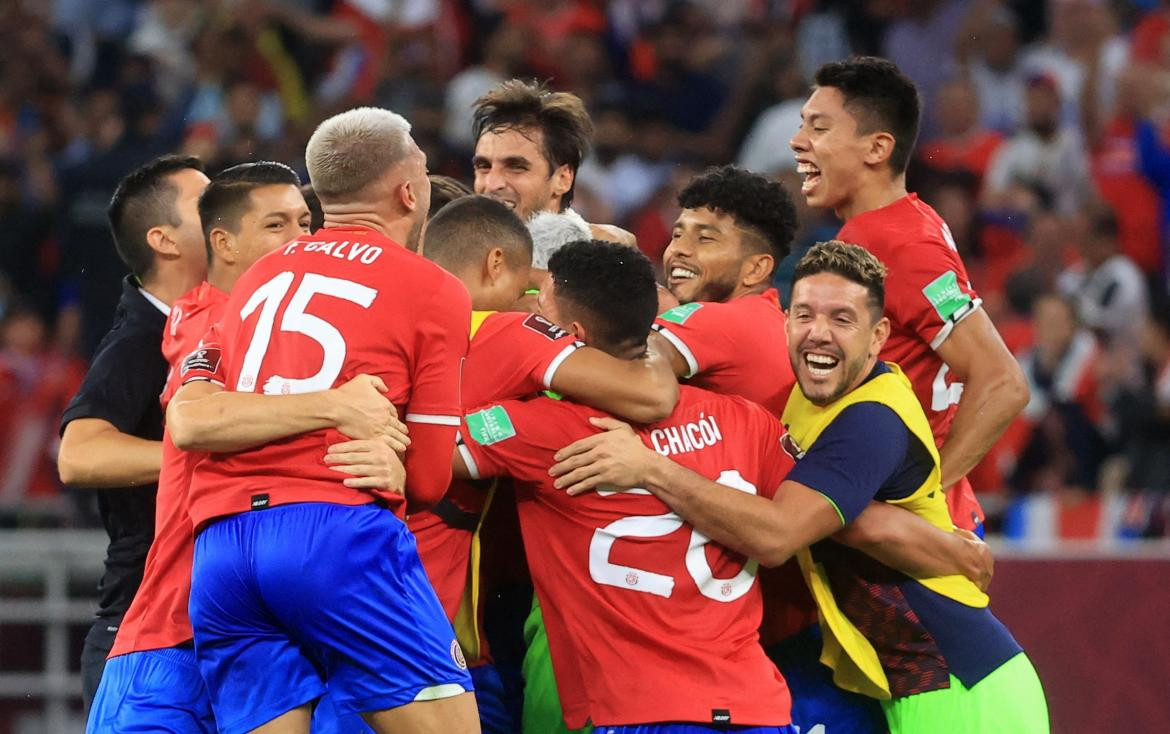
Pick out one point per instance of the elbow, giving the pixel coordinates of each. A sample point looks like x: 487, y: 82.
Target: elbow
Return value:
x: 68, y: 468
x: 181, y: 433
x: 426, y: 494
x: 1014, y: 389
x: 772, y: 555
x: 656, y: 405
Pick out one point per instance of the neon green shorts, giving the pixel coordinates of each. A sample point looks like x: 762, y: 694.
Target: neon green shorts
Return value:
x: 542, y: 704
x: 1008, y: 701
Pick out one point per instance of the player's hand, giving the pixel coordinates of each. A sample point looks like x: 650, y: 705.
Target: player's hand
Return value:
x: 363, y: 412
x: 616, y: 459
x: 372, y: 464
x: 980, y: 566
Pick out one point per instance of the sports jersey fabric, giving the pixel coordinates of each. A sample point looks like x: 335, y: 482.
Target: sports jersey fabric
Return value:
x: 928, y: 292
x: 886, y: 634
x: 736, y: 348
x: 158, y: 616
x: 313, y: 314
x: 635, y: 601
x: 511, y: 355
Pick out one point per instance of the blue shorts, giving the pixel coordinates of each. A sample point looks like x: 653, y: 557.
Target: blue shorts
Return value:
x: 491, y: 698
x: 290, y: 600
x: 816, y: 700
x: 151, y: 691
x: 686, y: 728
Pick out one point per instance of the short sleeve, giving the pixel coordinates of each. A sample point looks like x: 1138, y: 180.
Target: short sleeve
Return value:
x: 928, y: 291
x: 697, y: 332
x: 854, y: 457
x: 542, y: 347
x: 517, y: 438
x: 205, y: 363
x: 124, y: 381
x: 441, y: 338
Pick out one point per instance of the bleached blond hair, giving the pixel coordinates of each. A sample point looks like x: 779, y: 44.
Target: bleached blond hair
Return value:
x: 355, y: 148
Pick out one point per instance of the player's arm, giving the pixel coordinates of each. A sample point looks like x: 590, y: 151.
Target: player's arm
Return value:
x: 434, y: 410
x: 98, y: 446
x: 94, y: 454
x: 994, y: 393
x: 642, y: 390
x: 678, y: 363
x: 202, y: 416
x: 905, y: 542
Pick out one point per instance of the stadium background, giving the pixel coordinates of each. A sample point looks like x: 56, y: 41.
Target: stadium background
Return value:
x: 1078, y: 492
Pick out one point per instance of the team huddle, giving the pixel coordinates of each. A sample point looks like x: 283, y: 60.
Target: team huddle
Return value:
x: 735, y: 517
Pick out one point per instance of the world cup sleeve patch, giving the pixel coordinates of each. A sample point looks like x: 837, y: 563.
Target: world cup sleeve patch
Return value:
x: 490, y: 426
x: 945, y: 295
x: 680, y: 314
x: 544, y: 327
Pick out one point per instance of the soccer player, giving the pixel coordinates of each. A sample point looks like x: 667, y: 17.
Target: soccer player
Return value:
x: 926, y: 645
x: 112, y: 429
x: 628, y: 656
x: 856, y: 137
x: 529, y: 143
x: 300, y: 582
x: 512, y: 355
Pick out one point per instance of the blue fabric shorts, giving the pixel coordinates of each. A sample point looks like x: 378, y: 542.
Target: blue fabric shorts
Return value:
x: 491, y: 697
x: 816, y: 700
x: 289, y: 601
x: 152, y: 691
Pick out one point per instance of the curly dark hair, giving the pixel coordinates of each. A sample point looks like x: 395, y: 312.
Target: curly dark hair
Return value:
x: 758, y: 205
x: 880, y: 97
x: 564, y: 123
x: 610, y: 286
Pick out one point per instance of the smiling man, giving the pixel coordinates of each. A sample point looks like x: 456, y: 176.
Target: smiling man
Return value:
x: 856, y: 138
x: 529, y: 143
x: 926, y: 645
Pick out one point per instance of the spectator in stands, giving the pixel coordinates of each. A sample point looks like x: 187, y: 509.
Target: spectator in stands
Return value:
x: 1065, y: 448
x: 1108, y: 289
x: 759, y: 152
x: 963, y: 143
x: 1045, y: 151
x: 994, y: 66
x: 503, y: 58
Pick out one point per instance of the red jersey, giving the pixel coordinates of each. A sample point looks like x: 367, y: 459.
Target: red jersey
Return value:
x: 313, y: 314
x: 927, y: 294
x: 157, y: 617
x: 511, y: 355
x: 648, y: 621
x: 735, y: 348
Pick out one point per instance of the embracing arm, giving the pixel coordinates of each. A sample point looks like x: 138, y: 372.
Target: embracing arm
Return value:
x: 642, y: 390
x: 204, y: 417
x: 994, y: 392
x: 906, y: 542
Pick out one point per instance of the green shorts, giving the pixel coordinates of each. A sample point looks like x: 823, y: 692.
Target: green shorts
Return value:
x: 1008, y: 701
x: 542, y: 704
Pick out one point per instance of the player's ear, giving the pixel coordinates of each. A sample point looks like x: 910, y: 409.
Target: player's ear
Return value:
x: 757, y: 269
x: 160, y: 240
x: 407, y: 196
x: 494, y: 264
x: 562, y: 180
x: 881, y: 147
x: 223, y: 245
x: 881, y: 332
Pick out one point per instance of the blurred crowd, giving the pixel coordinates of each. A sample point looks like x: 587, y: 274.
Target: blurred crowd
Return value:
x: 1045, y: 146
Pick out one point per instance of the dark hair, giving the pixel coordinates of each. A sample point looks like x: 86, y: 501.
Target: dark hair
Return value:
x: 145, y: 199
x: 851, y: 262
x: 881, y: 97
x: 316, y: 213
x: 560, y: 117
x: 612, y: 284
x: 444, y: 190
x: 1103, y: 222
x: 226, y: 198
x: 757, y: 204
x: 466, y: 229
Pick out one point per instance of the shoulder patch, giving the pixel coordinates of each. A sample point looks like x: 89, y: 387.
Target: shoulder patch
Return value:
x: 544, y: 327
x: 945, y: 295
x: 680, y: 314
x: 202, y: 360
x: 490, y: 426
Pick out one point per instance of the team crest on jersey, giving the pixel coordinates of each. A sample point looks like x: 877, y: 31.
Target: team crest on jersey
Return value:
x: 544, y: 327
x: 791, y: 447
x: 632, y: 578
x: 457, y: 655
x: 726, y: 588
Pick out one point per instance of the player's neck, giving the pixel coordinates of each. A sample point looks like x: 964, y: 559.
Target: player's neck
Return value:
x: 742, y: 291
x: 169, y: 282
x: 223, y: 276
x: 396, y: 229
x: 876, y: 193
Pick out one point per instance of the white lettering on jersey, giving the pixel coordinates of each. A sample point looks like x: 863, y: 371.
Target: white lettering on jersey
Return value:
x: 686, y: 438
x: 362, y: 252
